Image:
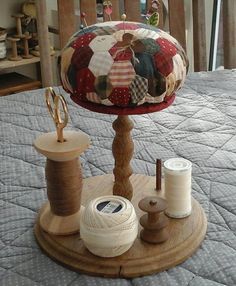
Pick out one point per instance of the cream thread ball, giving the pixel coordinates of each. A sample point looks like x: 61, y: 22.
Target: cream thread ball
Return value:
x: 109, y: 226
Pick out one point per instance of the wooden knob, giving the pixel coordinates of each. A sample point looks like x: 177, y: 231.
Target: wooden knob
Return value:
x: 154, y: 223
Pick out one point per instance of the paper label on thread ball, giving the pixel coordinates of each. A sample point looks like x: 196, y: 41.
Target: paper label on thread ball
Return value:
x: 109, y: 207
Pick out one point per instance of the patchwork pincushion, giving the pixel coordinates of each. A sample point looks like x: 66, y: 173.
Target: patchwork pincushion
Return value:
x: 123, y: 68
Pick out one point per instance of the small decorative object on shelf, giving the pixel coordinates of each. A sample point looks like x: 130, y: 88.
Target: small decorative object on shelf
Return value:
x: 61, y: 216
x: 155, y: 222
x: 178, y: 187
x: 18, y: 18
x: 109, y: 226
x: 26, y: 39
x: 14, y: 53
x: 3, y: 49
x: 29, y: 22
x: 36, y: 51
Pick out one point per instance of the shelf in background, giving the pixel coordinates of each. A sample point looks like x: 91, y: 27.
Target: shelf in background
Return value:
x: 5, y: 64
x: 14, y: 82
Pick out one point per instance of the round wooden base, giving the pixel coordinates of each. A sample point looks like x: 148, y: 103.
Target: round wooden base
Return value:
x: 186, y: 235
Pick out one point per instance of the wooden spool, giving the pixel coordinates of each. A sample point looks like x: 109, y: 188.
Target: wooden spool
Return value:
x: 61, y: 216
x: 26, y: 54
x: 14, y: 54
x: 154, y: 223
x: 185, y: 236
x: 18, y: 18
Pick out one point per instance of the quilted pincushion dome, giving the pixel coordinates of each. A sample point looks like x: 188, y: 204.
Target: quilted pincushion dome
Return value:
x: 118, y: 65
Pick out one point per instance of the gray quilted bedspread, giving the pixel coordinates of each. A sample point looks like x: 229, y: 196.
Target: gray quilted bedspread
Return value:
x: 200, y: 126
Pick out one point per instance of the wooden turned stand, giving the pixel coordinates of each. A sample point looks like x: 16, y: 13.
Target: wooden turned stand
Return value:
x: 185, y: 236
x: 123, y: 149
x: 61, y: 216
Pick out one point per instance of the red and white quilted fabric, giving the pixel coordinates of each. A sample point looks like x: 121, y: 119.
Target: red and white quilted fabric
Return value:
x: 124, y: 65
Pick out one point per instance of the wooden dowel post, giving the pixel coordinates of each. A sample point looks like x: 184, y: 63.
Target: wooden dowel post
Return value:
x: 123, y: 148
x: 229, y: 26
x: 158, y: 175
x: 44, y: 45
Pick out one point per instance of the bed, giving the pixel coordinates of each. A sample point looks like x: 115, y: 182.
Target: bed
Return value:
x: 200, y: 126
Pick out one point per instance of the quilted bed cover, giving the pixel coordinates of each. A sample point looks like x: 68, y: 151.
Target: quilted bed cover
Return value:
x: 200, y: 126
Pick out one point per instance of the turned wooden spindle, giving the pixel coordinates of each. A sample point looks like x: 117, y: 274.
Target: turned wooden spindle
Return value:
x: 26, y: 54
x: 154, y: 223
x: 14, y: 54
x: 18, y: 25
x: 61, y: 216
x: 122, y: 149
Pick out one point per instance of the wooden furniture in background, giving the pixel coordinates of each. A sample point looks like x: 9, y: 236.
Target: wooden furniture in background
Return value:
x: 229, y: 35
x: 66, y: 24
x: 14, y: 82
x: 44, y: 45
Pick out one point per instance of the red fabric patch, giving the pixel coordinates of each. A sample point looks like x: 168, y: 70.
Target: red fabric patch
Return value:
x: 118, y: 54
x: 163, y: 58
x: 85, y: 83
x: 83, y: 40
x: 127, y: 26
x: 81, y: 57
x: 164, y: 64
x: 120, y: 96
x: 167, y: 47
x: 141, y: 109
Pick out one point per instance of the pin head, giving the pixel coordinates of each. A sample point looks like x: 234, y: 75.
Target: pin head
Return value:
x: 123, y: 17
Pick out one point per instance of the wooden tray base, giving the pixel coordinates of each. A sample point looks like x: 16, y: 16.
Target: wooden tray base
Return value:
x: 186, y: 235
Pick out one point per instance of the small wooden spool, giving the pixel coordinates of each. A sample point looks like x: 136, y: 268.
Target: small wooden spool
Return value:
x: 26, y: 54
x: 14, y: 55
x: 64, y: 181
x: 155, y: 222
x: 18, y: 25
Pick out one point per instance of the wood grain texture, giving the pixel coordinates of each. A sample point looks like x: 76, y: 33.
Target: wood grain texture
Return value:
x: 90, y: 10
x: 122, y: 149
x: 132, y: 10
x: 14, y: 83
x: 44, y: 45
x: 142, y: 259
x: 177, y: 21
x: 229, y: 26
x: 199, y: 35
x: 66, y: 20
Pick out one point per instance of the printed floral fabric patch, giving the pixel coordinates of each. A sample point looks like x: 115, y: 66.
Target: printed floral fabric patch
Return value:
x: 123, y: 64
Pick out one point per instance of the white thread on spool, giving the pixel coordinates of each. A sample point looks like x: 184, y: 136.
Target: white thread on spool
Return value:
x: 111, y: 230
x: 178, y: 187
